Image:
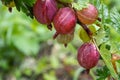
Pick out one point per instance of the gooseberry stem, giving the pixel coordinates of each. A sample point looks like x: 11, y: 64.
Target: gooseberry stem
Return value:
x: 99, y: 19
x: 49, y: 27
x: 86, y: 29
x: 55, y: 35
x: 88, y: 71
x: 65, y: 45
x: 10, y: 9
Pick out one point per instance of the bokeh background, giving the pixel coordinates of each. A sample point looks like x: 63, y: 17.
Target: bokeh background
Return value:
x: 28, y: 51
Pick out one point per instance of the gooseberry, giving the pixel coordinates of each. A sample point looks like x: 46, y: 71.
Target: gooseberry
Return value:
x: 65, y: 20
x: 87, y: 15
x: 65, y: 38
x: 88, y: 55
x: 44, y: 11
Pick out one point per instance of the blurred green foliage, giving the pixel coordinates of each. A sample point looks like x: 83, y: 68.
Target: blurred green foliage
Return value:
x: 25, y: 44
x: 20, y: 37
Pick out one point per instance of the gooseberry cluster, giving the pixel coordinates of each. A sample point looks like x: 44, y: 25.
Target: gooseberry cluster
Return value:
x: 64, y: 19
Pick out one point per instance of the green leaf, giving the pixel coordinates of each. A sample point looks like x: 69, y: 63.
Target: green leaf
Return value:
x: 25, y: 44
x: 42, y: 65
x: 100, y: 37
x: 4, y: 64
x: 54, y: 61
x: 115, y: 19
x: 27, y: 72
x: 77, y: 73
x: 114, y: 35
x: 106, y: 55
x: 6, y: 2
x: 66, y: 1
x: 118, y: 61
x: 50, y: 76
x: 25, y: 6
x: 80, y: 5
x: 29, y: 2
x: 113, y: 38
x: 102, y: 73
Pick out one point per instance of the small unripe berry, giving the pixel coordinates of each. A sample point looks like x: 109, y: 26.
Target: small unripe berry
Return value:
x: 64, y: 21
x: 65, y: 38
x: 44, y: 11
x: 88, y: 55
x: 87, y: 15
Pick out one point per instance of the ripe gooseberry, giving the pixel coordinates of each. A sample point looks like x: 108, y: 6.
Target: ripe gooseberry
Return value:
x: 44, y: 11
x: 64, y: 21
x: 88, y: 55
x: 87, y: 15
